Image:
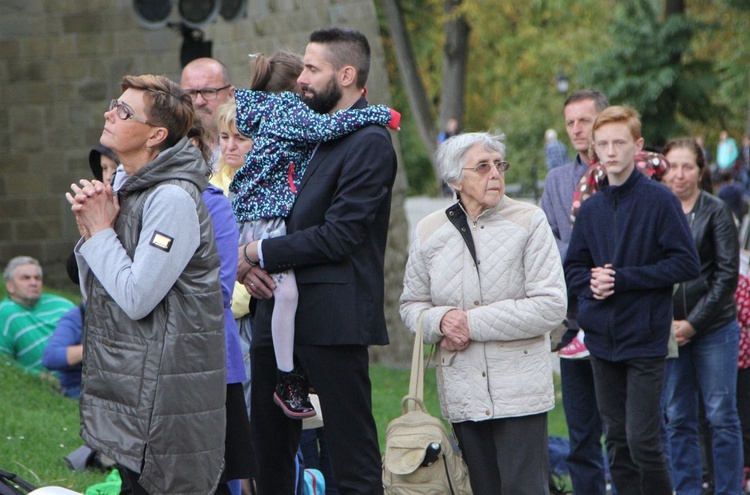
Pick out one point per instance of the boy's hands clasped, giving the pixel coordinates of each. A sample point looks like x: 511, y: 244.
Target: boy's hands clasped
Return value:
x: 602, y: 281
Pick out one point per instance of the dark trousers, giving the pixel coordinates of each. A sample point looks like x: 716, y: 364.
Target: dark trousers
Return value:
x: 507, y: 456
x: 315, y: 453
x: 340, y: 376
x: 585, y: 460
x: 130, y: 485
x: 629, y: 397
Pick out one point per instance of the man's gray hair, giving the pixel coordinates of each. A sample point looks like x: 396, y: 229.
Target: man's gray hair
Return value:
x: 18, y: 261
x: 451, y: 153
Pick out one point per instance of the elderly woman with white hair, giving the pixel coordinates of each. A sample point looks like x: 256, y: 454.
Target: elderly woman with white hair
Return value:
x: 485, y: 282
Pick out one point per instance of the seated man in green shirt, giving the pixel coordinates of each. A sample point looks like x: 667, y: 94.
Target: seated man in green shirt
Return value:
x: 27, y: 318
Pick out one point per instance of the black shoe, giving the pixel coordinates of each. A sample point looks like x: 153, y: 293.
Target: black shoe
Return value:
x: 291, y: 394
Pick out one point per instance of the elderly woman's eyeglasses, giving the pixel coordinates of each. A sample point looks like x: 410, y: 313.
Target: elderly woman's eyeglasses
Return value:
x: 208, y: 94
x: 485, y: 167
x: 125, y: 112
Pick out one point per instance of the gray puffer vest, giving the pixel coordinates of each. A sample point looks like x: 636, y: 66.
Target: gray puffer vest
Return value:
x: 154, y: 389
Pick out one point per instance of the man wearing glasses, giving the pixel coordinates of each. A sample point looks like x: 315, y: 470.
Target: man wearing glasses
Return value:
x: 206, y: 80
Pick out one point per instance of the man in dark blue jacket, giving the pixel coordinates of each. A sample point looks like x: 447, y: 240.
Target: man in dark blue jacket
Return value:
x: 629, y: 246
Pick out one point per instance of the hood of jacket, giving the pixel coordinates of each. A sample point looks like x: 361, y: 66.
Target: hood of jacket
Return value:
x: 182, y: 161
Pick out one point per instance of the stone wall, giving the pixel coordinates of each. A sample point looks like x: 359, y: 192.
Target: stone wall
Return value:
x: 61, y: 62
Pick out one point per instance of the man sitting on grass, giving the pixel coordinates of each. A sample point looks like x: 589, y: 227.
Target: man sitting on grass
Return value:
x: 27, y: 318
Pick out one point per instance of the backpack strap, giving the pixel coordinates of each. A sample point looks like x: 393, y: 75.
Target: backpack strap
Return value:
x: 416, y: 380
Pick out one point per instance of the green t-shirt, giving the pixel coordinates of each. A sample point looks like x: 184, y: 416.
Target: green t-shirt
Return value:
x: 24, y: 332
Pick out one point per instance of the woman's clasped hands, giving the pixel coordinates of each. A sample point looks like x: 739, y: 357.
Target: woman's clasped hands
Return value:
x: 95, y: 206
x: 455, y: 327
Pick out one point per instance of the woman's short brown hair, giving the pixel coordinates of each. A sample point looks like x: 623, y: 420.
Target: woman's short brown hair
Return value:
x: 167, y: 105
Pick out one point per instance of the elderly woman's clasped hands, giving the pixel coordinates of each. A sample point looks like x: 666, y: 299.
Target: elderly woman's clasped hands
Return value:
x: 95, y: 206
x: 455, y: 327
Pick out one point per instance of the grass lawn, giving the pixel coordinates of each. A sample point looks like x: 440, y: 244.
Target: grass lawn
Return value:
x: 38, y: 427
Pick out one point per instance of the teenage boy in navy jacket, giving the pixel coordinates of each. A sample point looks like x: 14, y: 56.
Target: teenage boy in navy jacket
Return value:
x: 629, y: 246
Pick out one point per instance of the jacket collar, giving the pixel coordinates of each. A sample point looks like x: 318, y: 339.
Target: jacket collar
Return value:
x: 460, y: 220
x: 635, y: 178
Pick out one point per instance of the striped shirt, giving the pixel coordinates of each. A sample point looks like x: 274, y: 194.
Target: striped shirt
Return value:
x: 24, y: 332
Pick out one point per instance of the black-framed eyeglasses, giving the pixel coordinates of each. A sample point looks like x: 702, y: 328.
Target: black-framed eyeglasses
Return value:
x: 125, y: 112
x: 485, y: 167
x: 208, y: 94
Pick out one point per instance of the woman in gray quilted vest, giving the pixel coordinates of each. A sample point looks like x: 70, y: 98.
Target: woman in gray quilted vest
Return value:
x: 485, y: 281
x: 153, y: 372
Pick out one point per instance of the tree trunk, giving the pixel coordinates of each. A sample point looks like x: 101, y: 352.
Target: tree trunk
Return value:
x: 407, y: 66
x: 455, y: 55
x: 399, y: 351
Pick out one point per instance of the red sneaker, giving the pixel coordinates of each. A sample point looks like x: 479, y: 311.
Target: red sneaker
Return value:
x: 574, y: 350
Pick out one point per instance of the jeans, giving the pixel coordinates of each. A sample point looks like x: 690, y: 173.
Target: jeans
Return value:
x: 706, y: 365
x: 72, y: 392
x: 585, y: 460
x: 629, y: 398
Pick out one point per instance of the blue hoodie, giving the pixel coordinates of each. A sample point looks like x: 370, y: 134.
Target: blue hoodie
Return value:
x: 640, y: 229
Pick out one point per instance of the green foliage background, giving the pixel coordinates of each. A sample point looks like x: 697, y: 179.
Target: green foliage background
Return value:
x: 687, y: 76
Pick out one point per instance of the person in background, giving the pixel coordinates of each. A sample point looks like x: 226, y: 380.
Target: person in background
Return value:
x: 233, y: 147
x: 585, y: 460
x: 27, y: 317
x: 705, y: 327
x: 742, y: 297
x: 630, y: 244
x: 744, y: 163
x: 485, y: 282
x: 154, y: 375
x: 726, y: 152
x: 555, y: 153
x: 239, y: 455
x: 206, y: 80
x: 64, y: 352
x: 450, y: 130
x: 733, y: 195
x: 103, y: 162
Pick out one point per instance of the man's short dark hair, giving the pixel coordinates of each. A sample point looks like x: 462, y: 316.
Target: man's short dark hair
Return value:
x: 347, y: 47
x: 600, y: 101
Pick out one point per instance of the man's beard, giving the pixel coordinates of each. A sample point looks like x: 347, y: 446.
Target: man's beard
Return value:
x: 325, y: 100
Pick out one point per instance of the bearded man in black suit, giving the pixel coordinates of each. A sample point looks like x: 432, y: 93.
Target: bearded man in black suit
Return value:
x: 335, y: 243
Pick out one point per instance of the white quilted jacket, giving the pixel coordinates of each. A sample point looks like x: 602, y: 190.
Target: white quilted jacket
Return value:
x: 513, y: 297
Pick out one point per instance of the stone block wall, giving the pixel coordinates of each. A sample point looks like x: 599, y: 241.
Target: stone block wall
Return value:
x: 61, y: 62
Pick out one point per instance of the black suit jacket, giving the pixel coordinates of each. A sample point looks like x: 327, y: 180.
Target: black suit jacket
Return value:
x: 335, y: 243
